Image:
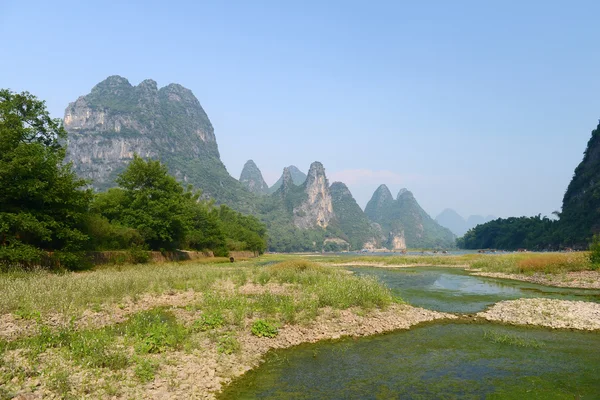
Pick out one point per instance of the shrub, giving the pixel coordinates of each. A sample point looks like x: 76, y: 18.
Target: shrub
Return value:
x: 209, y: 322
x: 262, y: 328
x: 228, y: 344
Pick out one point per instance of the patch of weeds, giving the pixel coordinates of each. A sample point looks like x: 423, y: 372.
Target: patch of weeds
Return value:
x: 511, y: 340
x: 228, y: 344
x: 240, y: 278
x: 209, y: 322
x: 262, y: 278
x: 96, y: 307
x: 27, y: 314
x: 155, y: 331
x: 59, y: 382
x: 145, y: 370
x: 5, y: 394
x: 236, y: 307
x: 44, y: 340
x: 96, y: 349
x: 262, y: 328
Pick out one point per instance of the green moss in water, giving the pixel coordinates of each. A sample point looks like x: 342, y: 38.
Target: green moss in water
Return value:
x: 441, y: 361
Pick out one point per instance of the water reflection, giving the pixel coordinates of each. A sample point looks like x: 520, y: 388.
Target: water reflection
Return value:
x: 454, y: 290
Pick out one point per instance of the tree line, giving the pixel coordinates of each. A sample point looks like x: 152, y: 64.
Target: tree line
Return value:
x: 47, y: 211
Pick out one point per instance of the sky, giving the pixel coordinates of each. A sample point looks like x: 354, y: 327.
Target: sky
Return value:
x: 484, y: 107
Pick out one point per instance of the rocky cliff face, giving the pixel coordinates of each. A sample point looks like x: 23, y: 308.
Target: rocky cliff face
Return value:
x: 316, y: 209
x: 580, y: 216
x: 116, y: 120
x: 404, y: 223
x: 298, y: 177
x: 252, y: 178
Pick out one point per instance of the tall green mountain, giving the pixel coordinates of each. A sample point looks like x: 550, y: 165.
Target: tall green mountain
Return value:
x: 314, y: 216
x: 350, y: 218
x: 403, y: 223
x: 580, y: 216
x: 298, y: 177
x: 420, y: 229
x: 117, y: 120
x: 252, y: 178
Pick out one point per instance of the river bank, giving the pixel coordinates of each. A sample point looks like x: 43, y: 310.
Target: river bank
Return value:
x: 186, y: 330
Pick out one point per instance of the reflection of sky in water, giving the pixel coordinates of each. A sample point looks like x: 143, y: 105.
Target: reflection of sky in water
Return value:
x: 467, y: 284
x: 454, y: 290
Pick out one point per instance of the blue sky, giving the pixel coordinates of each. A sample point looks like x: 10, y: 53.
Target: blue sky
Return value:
x: 483, y: 107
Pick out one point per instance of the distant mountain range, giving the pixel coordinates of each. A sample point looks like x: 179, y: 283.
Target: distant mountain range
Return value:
x: 402, y: 222
x: 303, y: 212
x: 459, y: 225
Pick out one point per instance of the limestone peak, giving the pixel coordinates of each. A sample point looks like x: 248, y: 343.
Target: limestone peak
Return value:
x: 252, y: 178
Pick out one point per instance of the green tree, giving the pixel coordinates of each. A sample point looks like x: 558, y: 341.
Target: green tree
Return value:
x: 42, y: 202
x: 149, y: 200
x: 595, y: 251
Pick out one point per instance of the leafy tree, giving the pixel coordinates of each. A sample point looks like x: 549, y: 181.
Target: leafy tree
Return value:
x: 153, y: 204
x: 246, y: 230
x: 149, y: 200
x: 204, y: 228
x: 42, y: 202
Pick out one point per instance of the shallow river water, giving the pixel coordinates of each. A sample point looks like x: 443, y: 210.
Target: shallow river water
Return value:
x: 454, y: 290
x: 443, y: 360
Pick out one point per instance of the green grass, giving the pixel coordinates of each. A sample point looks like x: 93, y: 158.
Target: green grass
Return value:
x: 514, y: 263
x: 289, y: 292
x: 530, y: 263
x: 42, y: 292
x: 262, y: 328
x: 511, y: 340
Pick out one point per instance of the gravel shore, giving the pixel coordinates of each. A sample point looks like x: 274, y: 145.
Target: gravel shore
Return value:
x: 551, y: 313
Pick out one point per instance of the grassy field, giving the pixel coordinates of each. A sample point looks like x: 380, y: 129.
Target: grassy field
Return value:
x: 145, y: 313
x: 514, y: 263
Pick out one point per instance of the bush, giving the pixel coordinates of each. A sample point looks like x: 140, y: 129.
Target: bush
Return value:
x: 595, y: 252
x: 262, y: 328
x: 139, y: 255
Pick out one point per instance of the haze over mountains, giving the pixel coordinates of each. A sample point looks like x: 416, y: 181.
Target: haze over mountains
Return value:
x: 303, y: 212
x: 459, y: 225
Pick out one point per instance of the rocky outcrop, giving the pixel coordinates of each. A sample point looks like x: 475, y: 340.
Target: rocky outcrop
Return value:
x: 403, y: 223
x: 397, y: 241
x: 117, y: 120
x: 316, y: 209
x: 298, y: 178
x: 252, y: 178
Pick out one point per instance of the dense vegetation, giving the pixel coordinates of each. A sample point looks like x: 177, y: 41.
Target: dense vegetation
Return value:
x: 48, y: 217
x: 42, y: 202
x: 533, y: 233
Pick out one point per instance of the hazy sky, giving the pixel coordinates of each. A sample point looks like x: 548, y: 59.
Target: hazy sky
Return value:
x: 481, y: 106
